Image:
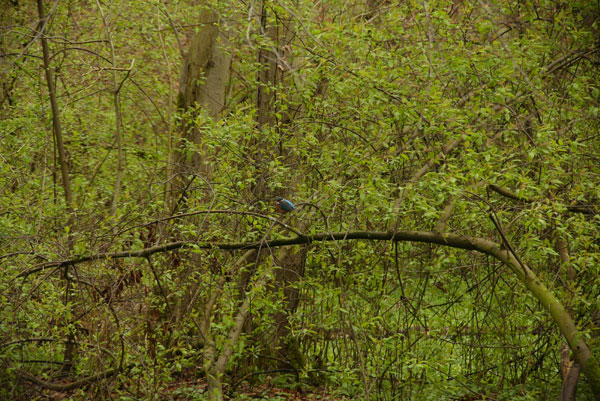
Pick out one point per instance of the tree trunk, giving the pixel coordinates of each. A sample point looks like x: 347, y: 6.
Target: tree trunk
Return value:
x: 570, y: 376
x: 202, y: 86
x: 215, y: 385
x: 56, y: 125
x: 273, y: 59
x: 118, y: 117
x: 69, y: 351
x: 267, y: 74
x: 216, y: 364
x: 570, y: 369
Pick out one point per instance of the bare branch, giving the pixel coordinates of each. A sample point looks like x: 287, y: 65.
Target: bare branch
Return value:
x: 69, y: 386
x: 509, y: 194
x: 585, y: 209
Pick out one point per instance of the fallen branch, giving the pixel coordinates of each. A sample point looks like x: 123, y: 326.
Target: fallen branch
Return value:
x: 67, y: 386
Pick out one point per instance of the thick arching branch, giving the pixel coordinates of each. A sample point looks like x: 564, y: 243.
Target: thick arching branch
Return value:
x: 522, y: 271
x: 452, y: 240
x: 430, y: 237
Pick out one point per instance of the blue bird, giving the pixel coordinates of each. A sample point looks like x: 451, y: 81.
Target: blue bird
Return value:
x: 283, y: 205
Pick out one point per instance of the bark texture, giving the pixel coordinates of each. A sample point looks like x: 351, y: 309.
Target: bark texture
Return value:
x: 202, y: 88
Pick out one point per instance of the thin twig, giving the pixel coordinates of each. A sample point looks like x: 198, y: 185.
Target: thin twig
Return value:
x: 507, y: 244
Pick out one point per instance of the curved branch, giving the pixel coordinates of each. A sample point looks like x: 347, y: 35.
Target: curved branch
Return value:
x: 547, y: 299
x: 452, y: 240
x: 584, y: 209
x: 510, y: 194
x: 69, y: 386
x: 142, y: 253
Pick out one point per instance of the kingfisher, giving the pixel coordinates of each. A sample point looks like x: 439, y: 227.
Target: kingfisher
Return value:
x: 283, y: 205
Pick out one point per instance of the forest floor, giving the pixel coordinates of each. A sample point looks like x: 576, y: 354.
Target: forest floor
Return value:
x: 190, y: 388
x: 186, y: 386
x: 186, y: 391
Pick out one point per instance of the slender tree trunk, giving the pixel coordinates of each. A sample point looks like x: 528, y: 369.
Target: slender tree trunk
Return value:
x: 56, y: 126
x: 62, y: 159
x: 215, y: 385
x: 570, y: 369
x: 570, y: 376
x: 118, y: 117
x: 267, y: 74
x: 215, y: 363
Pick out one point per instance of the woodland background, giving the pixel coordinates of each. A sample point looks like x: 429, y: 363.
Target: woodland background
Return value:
x: 443, y: 156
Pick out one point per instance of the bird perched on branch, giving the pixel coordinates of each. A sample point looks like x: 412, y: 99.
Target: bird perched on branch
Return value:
x: 283, y: 205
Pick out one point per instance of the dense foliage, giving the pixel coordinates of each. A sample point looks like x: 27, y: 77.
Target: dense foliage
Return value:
x: 473, y: 118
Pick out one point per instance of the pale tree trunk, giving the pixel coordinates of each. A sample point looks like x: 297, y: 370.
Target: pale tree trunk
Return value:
x: 274, y: 61
x: 202, y: 88
x: 215, y: 364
